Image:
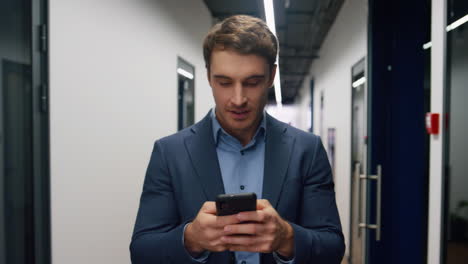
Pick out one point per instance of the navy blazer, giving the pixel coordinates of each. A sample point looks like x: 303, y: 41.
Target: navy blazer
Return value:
x: 184, y: 172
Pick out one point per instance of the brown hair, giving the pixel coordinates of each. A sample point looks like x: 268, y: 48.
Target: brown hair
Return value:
x: 244, y: 34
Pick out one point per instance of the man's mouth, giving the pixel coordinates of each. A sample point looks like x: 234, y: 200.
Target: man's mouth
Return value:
x: 239, y: 114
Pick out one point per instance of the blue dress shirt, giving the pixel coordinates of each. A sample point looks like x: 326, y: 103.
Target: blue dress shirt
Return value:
x: 241, y: 168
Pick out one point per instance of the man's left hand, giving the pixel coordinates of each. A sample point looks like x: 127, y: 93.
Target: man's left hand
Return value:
x: 261, y: 231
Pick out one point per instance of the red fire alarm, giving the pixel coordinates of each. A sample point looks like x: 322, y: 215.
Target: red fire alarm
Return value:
x: 432, y: 123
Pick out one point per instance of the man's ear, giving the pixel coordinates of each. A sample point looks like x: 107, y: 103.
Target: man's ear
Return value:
x: 208, y: 74
x: 272, y: 75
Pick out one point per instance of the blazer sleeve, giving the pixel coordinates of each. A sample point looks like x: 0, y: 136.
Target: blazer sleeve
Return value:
x: 158, y: 232
x: 317, y: 235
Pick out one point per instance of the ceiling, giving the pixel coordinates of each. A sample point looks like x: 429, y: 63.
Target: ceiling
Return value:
x: 301, y: 27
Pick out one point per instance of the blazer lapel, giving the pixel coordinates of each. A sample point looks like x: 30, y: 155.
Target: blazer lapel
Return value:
x: 277, y: 153
x: 202, y: 151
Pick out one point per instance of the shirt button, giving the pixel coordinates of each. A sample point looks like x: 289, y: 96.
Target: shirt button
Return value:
x: 242, y: 152
x: 242, y: 187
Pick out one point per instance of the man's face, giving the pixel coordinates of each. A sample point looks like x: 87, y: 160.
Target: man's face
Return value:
x: 240, y: 86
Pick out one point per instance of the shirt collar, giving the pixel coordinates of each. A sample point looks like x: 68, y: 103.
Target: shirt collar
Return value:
x: 217, y: 129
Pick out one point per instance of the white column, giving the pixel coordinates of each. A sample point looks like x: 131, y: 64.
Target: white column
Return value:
x: 438, y: 66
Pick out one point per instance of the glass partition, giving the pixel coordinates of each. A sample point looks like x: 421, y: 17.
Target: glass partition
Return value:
x: 456, y: 231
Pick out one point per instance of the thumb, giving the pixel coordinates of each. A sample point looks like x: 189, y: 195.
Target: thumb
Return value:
x: 209, y: 208
x: 262, y: 204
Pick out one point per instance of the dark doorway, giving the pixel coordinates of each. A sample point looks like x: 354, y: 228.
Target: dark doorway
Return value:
x: 312, y: 86
x: 18, y: 162
x: 186, y: 93
x: 24, y: 155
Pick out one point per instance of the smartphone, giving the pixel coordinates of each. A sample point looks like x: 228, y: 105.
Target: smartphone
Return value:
x: 228, y: 204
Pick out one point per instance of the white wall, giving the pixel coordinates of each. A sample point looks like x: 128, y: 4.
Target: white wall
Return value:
x: 286, y: 113
x: 113, y: 92
x: 344, y: 46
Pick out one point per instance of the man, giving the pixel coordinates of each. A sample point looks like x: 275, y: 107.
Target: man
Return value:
x: 236, y: 148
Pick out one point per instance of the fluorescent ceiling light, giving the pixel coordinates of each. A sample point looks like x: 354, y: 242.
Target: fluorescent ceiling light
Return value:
x: 270, y: 20
x: 359, y: 81
x: 457, y: 23
x: 427, y: 45
x: 270, y: 15
x: 185, y: 73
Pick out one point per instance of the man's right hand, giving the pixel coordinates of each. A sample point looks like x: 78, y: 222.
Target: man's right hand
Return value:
x: 206, y: 230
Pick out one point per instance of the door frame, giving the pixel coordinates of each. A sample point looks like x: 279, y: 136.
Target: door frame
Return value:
x: 41, y: 155
x: 436, y: 170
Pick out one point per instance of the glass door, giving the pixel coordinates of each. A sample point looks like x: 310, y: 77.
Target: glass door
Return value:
x: 358, y: 161
x: 456, y: 144
x: 396, y: 179
x: 365, y: 187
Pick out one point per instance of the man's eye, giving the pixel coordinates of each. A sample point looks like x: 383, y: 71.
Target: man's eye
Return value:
x: 252, y: 83
x: 224, y: 83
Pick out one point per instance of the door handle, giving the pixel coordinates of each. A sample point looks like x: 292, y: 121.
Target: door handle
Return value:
x: 377, y: 225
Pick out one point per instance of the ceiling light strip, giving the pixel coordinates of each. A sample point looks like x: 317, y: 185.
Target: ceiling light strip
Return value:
x: 185, y: 73
x: 450, y: 27
x: 427, y: 45
x: 457, y: 23
x: 270, y: 20
x: 359, y: 81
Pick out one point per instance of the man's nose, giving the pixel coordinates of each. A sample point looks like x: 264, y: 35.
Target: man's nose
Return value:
x: 238, y: 99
